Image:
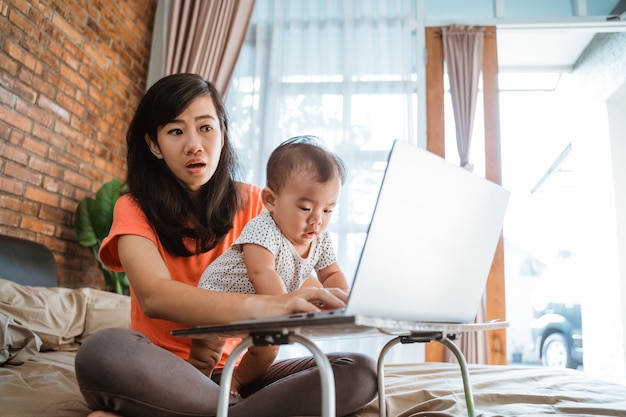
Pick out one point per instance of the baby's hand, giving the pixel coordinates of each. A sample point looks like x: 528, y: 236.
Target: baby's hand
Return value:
x: 205, y: 354
x: 341, y: 293
x: 235, y: 386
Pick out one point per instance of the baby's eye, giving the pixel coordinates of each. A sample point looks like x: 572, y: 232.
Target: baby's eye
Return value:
x: 305, y: 209
x: 328, y: 211
x: 175, y: 132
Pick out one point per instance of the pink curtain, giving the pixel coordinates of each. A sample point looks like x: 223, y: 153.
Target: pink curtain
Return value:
x: 463, y: 54
x: 205, y: 37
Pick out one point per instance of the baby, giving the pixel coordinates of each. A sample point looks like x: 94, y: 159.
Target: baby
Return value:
x: 278, y: 250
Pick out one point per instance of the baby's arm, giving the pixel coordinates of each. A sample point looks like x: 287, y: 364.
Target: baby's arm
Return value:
x: 332, y: 277
x: 253, y: 366
x: 311, y: 281
x: 261, y: 268
x: 205, y: 354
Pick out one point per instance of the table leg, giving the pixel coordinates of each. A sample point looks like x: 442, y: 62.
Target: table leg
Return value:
x: 415, y: 338
x: 467, y: 386
x: 326, y: 375
x: 382, y: 406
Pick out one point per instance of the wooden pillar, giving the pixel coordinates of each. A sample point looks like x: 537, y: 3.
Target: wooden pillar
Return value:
x: 496, y: 307
x: 496, y: 303
x: 435, y: 126
x: 435, y: 130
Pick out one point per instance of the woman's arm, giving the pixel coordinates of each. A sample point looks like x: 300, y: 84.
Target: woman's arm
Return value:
x: 163, y: 298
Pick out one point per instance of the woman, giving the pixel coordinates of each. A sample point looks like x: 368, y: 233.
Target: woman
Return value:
x: 183, y: 210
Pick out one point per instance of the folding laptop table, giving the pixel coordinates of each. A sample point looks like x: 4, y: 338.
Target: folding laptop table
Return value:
x: 279, y: 332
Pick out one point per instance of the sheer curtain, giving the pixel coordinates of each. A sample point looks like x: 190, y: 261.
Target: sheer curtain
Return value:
x: 343, y: 70
x: 338, y: 69
x: 463, y: 52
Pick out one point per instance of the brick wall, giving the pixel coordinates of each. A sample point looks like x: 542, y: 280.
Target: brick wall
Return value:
x: 71, y: 75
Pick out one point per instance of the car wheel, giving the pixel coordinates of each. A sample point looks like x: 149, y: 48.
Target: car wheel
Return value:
x: 556, y: 352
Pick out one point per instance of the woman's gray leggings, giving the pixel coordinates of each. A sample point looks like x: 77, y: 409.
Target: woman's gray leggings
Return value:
x: 121, y: 371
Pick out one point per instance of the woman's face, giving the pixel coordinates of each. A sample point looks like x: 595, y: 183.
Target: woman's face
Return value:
x: 191, y: 144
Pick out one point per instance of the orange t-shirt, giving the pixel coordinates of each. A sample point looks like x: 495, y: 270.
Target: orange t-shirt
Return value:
x: 129, y: 219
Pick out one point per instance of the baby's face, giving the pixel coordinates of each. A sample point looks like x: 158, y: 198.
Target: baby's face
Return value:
x: 303, y: 207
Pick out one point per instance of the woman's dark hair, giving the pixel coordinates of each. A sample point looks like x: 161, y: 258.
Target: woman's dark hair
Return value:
x: 303, y: 152
x: 185, y: 226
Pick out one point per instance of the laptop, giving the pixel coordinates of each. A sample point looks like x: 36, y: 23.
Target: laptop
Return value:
x: 426, y: 256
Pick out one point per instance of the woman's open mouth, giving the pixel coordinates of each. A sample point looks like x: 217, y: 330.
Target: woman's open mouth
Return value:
x: 195, y: 166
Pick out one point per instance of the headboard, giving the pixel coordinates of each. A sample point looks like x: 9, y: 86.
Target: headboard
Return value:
x: 27, y: 263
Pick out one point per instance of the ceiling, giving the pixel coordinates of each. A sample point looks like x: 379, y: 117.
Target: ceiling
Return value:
x: 545, y: 50
x: 553, y: 47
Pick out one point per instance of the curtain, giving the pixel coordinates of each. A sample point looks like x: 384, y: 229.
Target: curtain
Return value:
x: 199, y: 36
x: 463, y: 52
x: 337, y: 69
x: 343, y: 70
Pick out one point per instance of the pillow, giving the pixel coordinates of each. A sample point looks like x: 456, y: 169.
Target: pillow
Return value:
x: 63, y: 317
x: 56, y: 314
x: 17, y: 343
x: 104, y: 309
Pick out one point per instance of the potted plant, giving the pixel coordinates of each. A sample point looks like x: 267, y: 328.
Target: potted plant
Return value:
x: 92, y: 224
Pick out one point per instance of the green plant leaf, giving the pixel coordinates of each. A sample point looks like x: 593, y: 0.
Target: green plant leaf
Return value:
x: 102, y: 215
x: 92, y: 223
x: 83, y: 227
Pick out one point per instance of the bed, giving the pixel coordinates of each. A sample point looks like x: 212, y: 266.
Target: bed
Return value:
x: 44, y: 325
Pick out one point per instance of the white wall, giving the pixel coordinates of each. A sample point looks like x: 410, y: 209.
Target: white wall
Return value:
x: 616, y: 109
x: 594, y: 84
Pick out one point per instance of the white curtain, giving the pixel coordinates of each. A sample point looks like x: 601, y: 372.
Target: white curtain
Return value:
x: 338, y: 69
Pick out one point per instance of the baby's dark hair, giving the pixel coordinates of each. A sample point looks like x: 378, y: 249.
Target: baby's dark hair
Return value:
x: 305, y: 153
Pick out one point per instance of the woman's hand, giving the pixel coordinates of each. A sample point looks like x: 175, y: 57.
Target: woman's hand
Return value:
x: 303, y: 300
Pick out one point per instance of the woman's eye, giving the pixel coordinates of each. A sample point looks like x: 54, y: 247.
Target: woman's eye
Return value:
x: 206, y: 128
x: 175, y: 132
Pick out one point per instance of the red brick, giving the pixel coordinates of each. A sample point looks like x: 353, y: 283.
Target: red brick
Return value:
x: 8, y: 218
x: 68, y: 132
x: 48, y: 167
x: 12, y: 203
x: 46, y: 136
x: 41, y: 196
x: 76, y: 179
x: 69, y: 31
x: 63, y: 159
x: 33, y: 112
x: 20, y: 172
x: 19, y: 88
x: 11, y: 186
x: 14, y: 153
x: 58, y: 111
x: 36, y: 225
x: 15, y: 120
x: 55, y: 215
x: 36, y: 83
x: 79, y: 151
x: 64, y: 111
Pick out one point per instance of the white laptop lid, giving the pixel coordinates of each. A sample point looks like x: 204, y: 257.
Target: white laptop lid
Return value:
x: 431, y: 241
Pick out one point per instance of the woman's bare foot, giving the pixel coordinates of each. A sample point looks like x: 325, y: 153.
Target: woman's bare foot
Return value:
x: 103, y: 414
